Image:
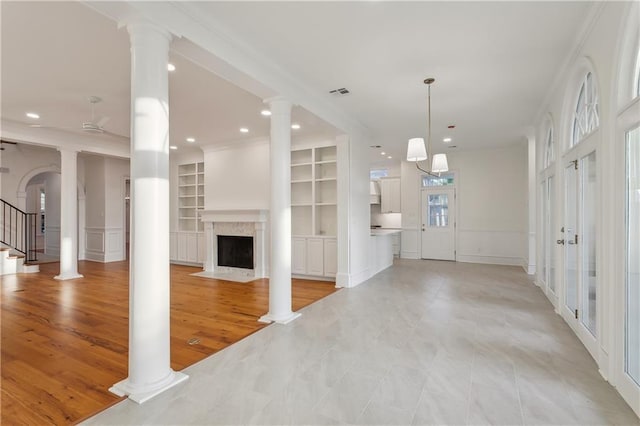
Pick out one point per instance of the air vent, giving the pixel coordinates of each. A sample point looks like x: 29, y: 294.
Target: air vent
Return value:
x: 339, y: 92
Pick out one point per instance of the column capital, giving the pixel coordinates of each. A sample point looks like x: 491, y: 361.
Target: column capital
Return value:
x: 69, y: 149
x: 141, y: 27
x: 279, y: 104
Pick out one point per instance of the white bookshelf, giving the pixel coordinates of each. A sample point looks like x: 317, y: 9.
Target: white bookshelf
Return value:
x: 190, y: 197
x: 314, y: 187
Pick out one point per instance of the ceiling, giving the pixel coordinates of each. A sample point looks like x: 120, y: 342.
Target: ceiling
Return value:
x: 493, y: 62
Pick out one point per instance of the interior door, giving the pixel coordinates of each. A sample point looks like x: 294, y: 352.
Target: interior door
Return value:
x: 438, y: 223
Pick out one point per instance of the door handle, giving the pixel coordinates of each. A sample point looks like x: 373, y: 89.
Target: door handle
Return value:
x: 560, y: 242
x: 571, y: 242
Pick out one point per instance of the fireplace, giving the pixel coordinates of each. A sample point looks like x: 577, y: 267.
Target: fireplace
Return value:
x: 235, y: 251
x: 246, y: 230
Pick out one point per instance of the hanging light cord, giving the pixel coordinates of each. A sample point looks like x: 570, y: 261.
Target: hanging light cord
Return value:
x: 428, y: 133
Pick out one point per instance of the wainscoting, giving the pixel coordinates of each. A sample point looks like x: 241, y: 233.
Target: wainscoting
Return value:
x: 104, y: 244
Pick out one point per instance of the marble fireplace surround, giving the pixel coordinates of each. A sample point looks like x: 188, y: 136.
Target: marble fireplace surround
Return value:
x: 245, y: 222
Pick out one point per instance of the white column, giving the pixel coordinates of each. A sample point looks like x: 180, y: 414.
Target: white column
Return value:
x: 150, y: 372
x: 68, y: 215
x: 280, y: 217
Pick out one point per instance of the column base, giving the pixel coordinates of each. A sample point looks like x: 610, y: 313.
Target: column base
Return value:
x: 142, y: 394
x: 68, y: 276
x: 286, y: 319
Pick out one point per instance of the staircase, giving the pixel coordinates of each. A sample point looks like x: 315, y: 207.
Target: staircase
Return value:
x: 11, y: 263
x: 18, y: 238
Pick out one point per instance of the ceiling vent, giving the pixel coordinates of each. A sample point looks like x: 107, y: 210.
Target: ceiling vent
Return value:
x: 339, y: 92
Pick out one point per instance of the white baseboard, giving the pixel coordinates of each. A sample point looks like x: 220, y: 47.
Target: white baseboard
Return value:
x: 409, y: 255
x: 490, y: 260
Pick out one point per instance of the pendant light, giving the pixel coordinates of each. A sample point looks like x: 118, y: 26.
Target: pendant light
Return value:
x: 416, y: 150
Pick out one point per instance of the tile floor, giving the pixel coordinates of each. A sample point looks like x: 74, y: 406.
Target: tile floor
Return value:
x: 420, y: 343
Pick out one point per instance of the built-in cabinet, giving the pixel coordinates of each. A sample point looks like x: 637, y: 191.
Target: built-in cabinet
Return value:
x: 316, y: 256
x: 390, y: 195
x: 314, y: 211
x: 187, y: 243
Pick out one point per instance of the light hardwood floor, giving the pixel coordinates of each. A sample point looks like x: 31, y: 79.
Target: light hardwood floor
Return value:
x: 64, y: 343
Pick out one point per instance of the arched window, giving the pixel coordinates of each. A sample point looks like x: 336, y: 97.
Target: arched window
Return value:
x: 587, y: 113
x: 549, y: 149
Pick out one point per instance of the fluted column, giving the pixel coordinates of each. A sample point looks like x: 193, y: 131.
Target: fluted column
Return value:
x: 280, y: 214
x: 68, y: 215
x: 149, y: 279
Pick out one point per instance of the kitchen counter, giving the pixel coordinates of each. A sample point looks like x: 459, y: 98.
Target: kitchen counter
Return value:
x: 379, y: 231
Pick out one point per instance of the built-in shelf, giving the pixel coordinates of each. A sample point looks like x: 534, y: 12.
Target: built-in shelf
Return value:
x: 314, y: 192
x: 190, y: 196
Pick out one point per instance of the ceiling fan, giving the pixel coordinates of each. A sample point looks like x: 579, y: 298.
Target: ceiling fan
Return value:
x: 95, y: 125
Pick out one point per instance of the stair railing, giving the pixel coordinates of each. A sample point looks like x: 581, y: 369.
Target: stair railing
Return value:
x: 18, y: 230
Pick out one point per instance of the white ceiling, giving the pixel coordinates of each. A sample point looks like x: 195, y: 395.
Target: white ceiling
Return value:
x: 493, y: 63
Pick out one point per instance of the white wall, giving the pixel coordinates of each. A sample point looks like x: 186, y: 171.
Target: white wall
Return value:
x: 237, y: 177
x: 491, y: 206
x: 359, y: 211
x: 104, y: 213
x: 23, y: 160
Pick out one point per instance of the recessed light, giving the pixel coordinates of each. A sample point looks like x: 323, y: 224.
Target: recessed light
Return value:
x: 171, y: 67
x: 383, y: 153
x: 295, y: 126
x: 446, y: 140
x: 244, y: 130
x: 191, y: 140
x: 389, y: 157
x: 173, y: 147
x: 33, y: 115
x: 265, y: 112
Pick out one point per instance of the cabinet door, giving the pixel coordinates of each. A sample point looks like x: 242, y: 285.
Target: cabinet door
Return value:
x: 315, y: 256
x: 390, y: 195
x: 202, y: 251
x: 330, y: 257
x: 192, y: 247
x: 299, y: 255
x: 182, y: 246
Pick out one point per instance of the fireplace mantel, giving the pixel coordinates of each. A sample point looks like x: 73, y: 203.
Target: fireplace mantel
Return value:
x: 215, y: 219
x: 243, y: 215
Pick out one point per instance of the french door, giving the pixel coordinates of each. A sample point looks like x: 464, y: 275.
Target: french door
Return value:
x: 549, y: 230
x: 628, y: 364
x: 579, y: 240
x: 438, y: 223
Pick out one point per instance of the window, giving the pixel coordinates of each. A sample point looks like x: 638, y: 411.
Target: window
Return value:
x: 587, y: 114
x: 377, y: 174
x: 445, y: 179
x: 549, y: 151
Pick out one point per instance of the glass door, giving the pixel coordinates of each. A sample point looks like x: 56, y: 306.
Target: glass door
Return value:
x: 580, y: 236
x: 552, y: 229
x: 570, y: 239
x: 632, y: 267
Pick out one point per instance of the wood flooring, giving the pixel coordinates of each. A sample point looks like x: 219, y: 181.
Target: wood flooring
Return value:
x: 64, y: 343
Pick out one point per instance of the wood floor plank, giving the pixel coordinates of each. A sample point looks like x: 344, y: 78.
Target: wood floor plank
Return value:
x: 64, y: 343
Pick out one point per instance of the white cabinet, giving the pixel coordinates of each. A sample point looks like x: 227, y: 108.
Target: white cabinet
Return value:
x: 299, y: 255
x: 390, y: 195
x: 395, y: 238
x: 314, y: 256
x: 314, y: 195
x: 330, y: 257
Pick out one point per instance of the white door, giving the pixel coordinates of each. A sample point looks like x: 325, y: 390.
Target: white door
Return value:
x: 438, y: 223
x: 580, y: 268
